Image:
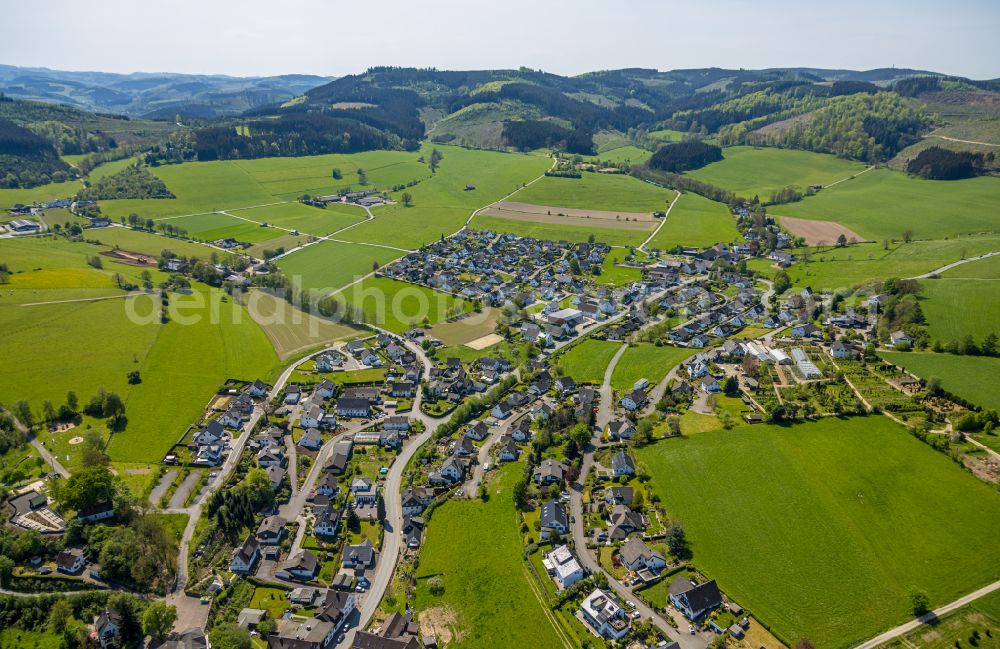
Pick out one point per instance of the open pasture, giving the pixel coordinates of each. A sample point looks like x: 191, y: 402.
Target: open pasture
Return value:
x: 329, y: 265
x: 594, y: 191
x: 441, y: 203
x: 216, y: 225
x: 51, y: 191
x: 398, y: 306
x: 148, y: 243
x: 487, y: 599
x: 696, y: 221
x: 574, y: 218
x: 823, y: 529
x: 305, y: 218
x: 971, y: 377
x: 881, y: 204
x: 613, y: 236
x: 955, y: 308
x: 760, y: 171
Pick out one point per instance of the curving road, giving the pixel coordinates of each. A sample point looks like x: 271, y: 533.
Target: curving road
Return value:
x: 954, y: 264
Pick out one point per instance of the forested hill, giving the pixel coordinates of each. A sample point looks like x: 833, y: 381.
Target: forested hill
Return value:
x: 868, y: 115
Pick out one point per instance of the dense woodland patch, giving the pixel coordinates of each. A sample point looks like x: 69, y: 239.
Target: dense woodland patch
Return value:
x: 685, y: 156
x: 937, y: 163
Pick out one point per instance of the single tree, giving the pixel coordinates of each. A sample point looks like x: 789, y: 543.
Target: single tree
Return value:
x: 158, y: 619
x: 407, y: 199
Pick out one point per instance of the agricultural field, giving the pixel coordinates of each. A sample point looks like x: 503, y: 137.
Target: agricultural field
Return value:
x: 625, y: 153
x: 988, y: 268
x: 667, y: 135
x: 834, y: 268
x: 398, y: 306
x: 760, y: 171
x: 466, y: 330
x: 971, y: 377
x: 329, y: 265
x: 586, y: 361
x: 216, y: 225
x: 822, y: 530
x: 149, y: 244
x: 441, y: 205
x: 89, y: 344
x: 559, y: 232
x: 222, y: 185
x: 977, y: 624
x: 51, y: 191
x: 290, y: 330
x: 881, y: 204
x: 487, y: 600
x: 306, y: 219
x: 955, y: 308
x: 696, y: 221
x: 646, y: 361
x: 609, y: 192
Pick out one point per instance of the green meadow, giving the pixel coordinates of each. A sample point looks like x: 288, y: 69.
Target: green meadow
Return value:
x: 587, y: 360
x: 834, y: 268
x: 748, y: 171
x: 398, y: 306
x: 955, y: 308
x: 329, y: 265
x: 305, y: 218
x: 988, y: 268
x: 486, y: 591
x: 147, y: 243
x: 607, y: 192
x: 646, y: 361
x: 823, y: 530
x: 881, y: 204
x: 52, y: 191
x: 557, y: 232
x: 971, y: 377
x: 84, y: 344
x: 696, y: 221
x: 441, y: 204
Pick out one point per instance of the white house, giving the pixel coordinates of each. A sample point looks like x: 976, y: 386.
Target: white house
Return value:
x: 603, y: 612
x: 245, y: 556
x: 563, y: 566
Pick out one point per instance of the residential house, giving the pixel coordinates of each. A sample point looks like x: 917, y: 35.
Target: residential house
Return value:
x: 900, y: 339
x: 637, y: 557
x: 602, y: 612
x: 302, y: 566
x: 452, y: 470
x: 326, y: 389
x: 311, y: 440
x: 71, y: 561
x: 336, y: 608
x: 245, y: 556
x: 413, y: 527
x: 416, y: 499
x: 553, y: 519
x: 364, y: 491
x: 619, y: 496
x: 359, y: 556
x: 276, y: 475
x: 634, y: 400
x: 694, y: 600
x: 624, y: 522
x: 622, y: 464
x: 107, y: 626
x: 621, y: 429
x: 271, y: 530
x: 563, y: 566
x: 353, y: 407
x: 308, y: 633
x: 549, y: 472
x: 508, y: 451
x: 257, y: 389
x: 396, y: 422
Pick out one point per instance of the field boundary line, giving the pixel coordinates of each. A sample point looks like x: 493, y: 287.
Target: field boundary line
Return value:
x: 86, y: 299
x: 837, y: 182
x: 929, y: 617
x: 663, y: 221
x: 534, y: 587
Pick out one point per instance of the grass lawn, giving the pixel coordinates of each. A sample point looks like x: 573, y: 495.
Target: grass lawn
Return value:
x: 586, y: 361
x: 272, y: 600
x: 957, y: 307
x: 487, y: 600
x: 174, y: 524
x: 646, y: 361
x: 327, y: 266
x: 823, y: 529
x: 970, y: 377
x: 398, y: 306
x: 761, y: 171
x: 558, y: 232
x: 21, y: 639
x: 614, y: 275
x: 610, y: 192
x: 696, y: 221
x: 881, y: 203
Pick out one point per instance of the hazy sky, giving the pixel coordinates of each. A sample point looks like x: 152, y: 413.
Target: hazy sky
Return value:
x: 336, y: 37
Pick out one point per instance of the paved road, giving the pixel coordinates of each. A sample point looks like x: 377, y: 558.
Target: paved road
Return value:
x: 605, y: 412
x: 927, y: 618
x: 44, y: 452
x: 946, y: 267
x: 663, y: 221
